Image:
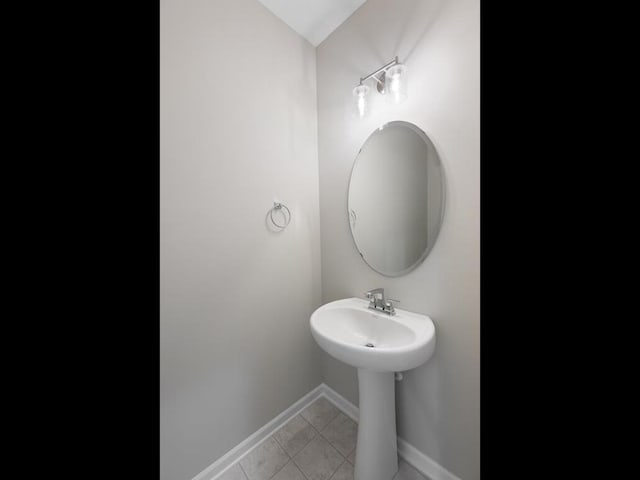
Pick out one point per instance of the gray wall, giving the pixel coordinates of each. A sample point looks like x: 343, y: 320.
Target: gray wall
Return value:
x: 238, y: 131
x: 439, y: 403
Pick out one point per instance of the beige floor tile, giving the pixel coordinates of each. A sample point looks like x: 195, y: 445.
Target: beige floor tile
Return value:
x: 344, y: 472
x: 295, y: 435
x: 318, y: 460
x: 234, y: 473
x: 342, y: 433
x: 264, y: 461
x: 320, y: 413
x: 289, y: 472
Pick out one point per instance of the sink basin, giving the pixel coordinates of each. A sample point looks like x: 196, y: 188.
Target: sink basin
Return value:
x: 349, y: 331
x: 377, y: 344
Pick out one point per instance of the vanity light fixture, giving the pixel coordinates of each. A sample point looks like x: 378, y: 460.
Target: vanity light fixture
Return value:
x: 391, y: 80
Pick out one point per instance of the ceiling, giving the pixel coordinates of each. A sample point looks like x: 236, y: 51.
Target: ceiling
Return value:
x: 313, y: 19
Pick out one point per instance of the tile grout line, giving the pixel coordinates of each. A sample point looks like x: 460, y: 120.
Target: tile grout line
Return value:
x: 334, y: 473
x: 285, y: 452
x: 243, y: 472
x: 319, y: 435
x: 299, y: 469
x: 331, y: 443
x: 273, y: 435
x: 328, y: 423
x: 336, y: 448
x: 291, y: 460
x: 344, y: 458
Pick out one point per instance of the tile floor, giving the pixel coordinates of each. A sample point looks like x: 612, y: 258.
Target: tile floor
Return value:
x: 317, y: 444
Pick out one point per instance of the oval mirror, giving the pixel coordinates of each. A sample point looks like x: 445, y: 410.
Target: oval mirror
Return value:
x: 396, y: 198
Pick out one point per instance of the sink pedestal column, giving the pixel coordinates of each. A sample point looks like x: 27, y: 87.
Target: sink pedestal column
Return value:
x: 377, y: 451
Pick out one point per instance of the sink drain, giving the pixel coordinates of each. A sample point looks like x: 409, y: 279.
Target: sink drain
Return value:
x: 370, y: 345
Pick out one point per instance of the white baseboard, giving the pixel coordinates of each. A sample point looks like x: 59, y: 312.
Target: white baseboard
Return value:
x: 339, y: 401
x: 414, y: 457
x: 421, y: 462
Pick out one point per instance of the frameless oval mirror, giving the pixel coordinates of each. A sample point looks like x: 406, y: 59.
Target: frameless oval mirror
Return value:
x: 396, y: 198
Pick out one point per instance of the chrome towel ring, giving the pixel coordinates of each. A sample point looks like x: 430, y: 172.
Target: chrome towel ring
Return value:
x: 280, y: 206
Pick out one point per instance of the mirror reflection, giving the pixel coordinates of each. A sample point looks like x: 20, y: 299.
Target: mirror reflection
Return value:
x: 396, y: 198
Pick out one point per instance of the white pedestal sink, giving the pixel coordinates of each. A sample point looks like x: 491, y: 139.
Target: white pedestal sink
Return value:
x: 378, y: 345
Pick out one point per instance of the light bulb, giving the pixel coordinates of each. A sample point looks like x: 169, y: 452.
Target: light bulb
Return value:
x: 362, y: 106
x: 395, y: 83
x: 397, y: 77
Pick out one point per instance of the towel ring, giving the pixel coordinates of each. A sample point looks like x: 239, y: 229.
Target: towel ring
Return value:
x: 280, y: 206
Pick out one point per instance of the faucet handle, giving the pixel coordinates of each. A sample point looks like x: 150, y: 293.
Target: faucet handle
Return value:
x: 389, y: 305
x: 390, y: 302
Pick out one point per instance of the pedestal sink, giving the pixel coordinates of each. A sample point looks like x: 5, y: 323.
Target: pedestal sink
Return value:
x: 378, y: 345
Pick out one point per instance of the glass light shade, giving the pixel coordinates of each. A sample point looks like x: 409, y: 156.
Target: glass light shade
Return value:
x: 361, y: 102
x: 396, y: 83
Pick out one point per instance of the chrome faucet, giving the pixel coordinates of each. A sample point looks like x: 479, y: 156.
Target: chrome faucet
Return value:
x: 379, y: 303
